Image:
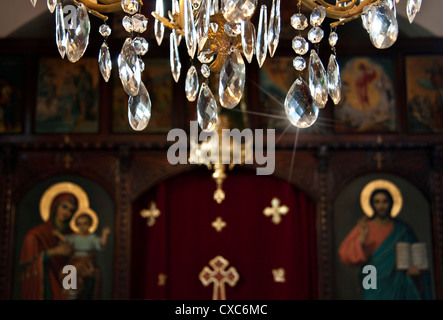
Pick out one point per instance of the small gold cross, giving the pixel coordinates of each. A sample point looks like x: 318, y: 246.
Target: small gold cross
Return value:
x: 150, y: 214
x: 279, y: 275
x: 67, y: 160
x: 162, y: 279
x: 275, y: 211
x: 219, y: 224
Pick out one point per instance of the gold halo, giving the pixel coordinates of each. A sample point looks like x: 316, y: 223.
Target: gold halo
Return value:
x: 365, y: 196
x: 90, y: 213
x: 59, y: 188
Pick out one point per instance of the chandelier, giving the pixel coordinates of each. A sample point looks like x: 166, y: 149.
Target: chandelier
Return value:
x: 220, y: 35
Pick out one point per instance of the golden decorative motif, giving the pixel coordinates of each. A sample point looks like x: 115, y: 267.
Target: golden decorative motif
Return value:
x: 151, y: 214
x: 219, y: 224
x: 219, y: 276
x: 276, y: 211
x: 90, y: 213
x: 365, y: 196
x: 161, y: 279
x: 59, y: 188
x: 279, y: 275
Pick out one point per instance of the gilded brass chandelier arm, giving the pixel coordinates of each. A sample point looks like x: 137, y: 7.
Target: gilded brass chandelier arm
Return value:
x: 102, y: 8
x: 168, y: 24
x: 349, y: 12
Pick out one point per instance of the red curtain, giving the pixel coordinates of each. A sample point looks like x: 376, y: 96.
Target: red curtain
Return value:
x: 182, y: 241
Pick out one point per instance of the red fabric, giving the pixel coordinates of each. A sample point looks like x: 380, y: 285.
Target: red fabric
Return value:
x: 36, y: 242
x: 182, y: 240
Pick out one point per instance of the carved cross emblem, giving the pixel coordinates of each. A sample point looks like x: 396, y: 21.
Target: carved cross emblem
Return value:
x: 151, y: 214
x: 279, y: 275
x: 275, y: 210
x: 218, y: 224
x: 219, y: 276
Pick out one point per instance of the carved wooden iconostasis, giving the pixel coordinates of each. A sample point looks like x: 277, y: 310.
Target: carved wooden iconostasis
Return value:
x: 120, y: 170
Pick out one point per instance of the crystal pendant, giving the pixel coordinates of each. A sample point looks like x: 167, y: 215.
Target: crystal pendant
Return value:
x: 318, y: 82
x: 299, y: 63
x: 51, y: 5
x: 366, y: 17
x: 206, y: 72
x: 141, y: 46
x: 130, y: 6
x: 274, y: 27
x: 261, y: 44
x: 140, y: 23
x: 235, y: 11
x: 315, y: 35
x: 391, y: 5
x: 104, y: 61
x: 207, y: 116
x: 128, y: 24
x: 232, y: 80
x: 299, y: 106
x: 129, y: 68
x: 206, y: 56
x: 191, y: 84
x: 317, y: 16
x: 232, y: 30
x: 174, y: 56
x: 139, y: 109
x: 334, y: 80
x: 33, y: 2
x: 299, y: 21
x: 60, y: 33
x: 159, y: 28
x: 383, y: 26
x: 105, y: 30
x: 190, y: 32
x: 412, y: 7
x: 333, y: 38
x: 78, y: 38
x: 300, y: 45
x: 142, y: 64
x: 206, y: 21
x: 248, y: 39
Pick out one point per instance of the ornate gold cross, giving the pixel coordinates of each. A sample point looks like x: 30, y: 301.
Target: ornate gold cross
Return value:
x: 275, y: 211
x: 218, y: 224
x: 219, y: 276
x: 67, y: 159
x: 379, y: 158
x: 150, y: 214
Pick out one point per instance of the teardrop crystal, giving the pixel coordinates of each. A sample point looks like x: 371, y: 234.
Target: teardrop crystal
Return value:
x: 206, y: 56
x: 232, y: 29
x: 206, y: 109
x: 235, y: 11
x: 159, y: 28
x: 139, y: 109
x: 51, y: 5
x: 33, y: 2
x: 366, y: 17
x: 318, y: 82
x: 383, y: 26
x: 191, y: 84
x: 232, y: 80
x: 333, y: 38
x: 190, y: 32
x: 104, y: 61
x: 130, y: 6
x: 412, y: 7
x: 334, y: 80
x: 248, y: 39
x: 261, y: 44
x: 274, y: 27
x: 174, y: 56
x: 299, y: 106
x: 129, y: 68
x: 60, y: 33
x: 78, y: 34
x: 205, y: 70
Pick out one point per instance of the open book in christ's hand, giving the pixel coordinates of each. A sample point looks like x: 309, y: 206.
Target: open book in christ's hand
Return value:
x: 411, y: 254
